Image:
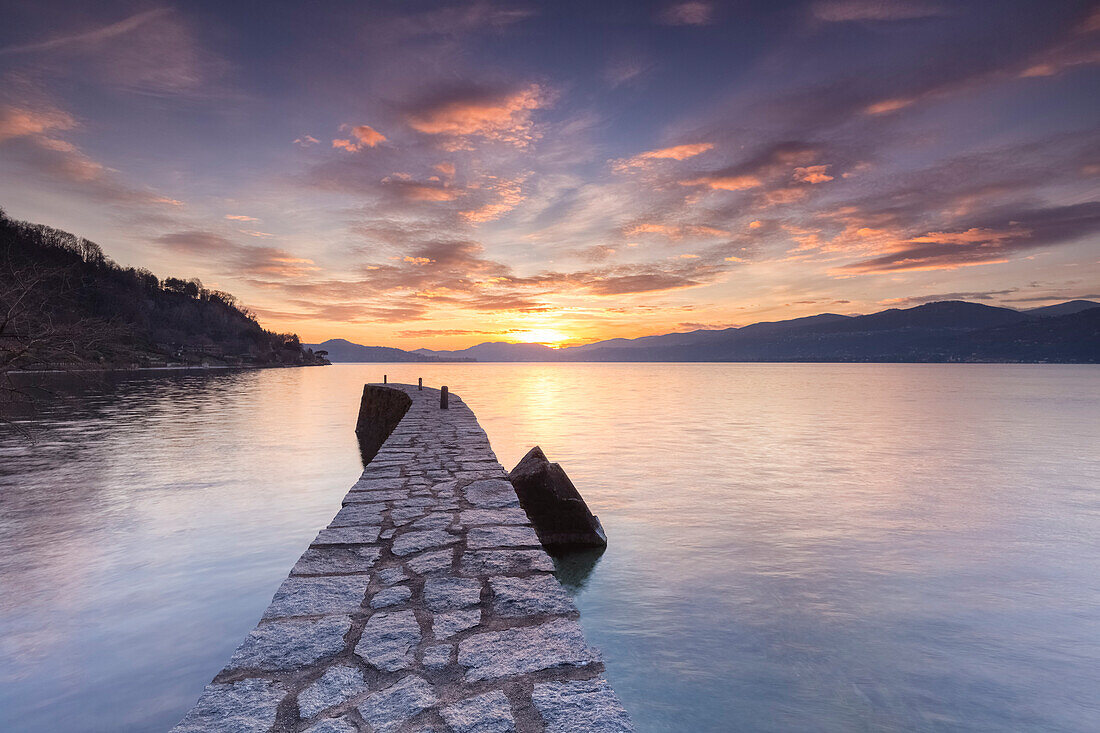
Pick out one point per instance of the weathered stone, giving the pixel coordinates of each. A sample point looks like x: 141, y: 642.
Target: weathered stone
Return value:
x: 388, y: 640
x: 530, y: 596
x: 411, y: 542
x: 479, y: 538
x: 445, y: 625
x: 404, y: 515
x: 499, y: 562
x: 291, y: 644
x: 389, y: 576
x: 379, y: 484
x: 391, y: 708
x: 394, y: 596
x: 351, y: 515
x: 431, y: 562
x: 435, y: 520
x: 332, y: 725
x: 567, y: 707
x: 448, y: 594
x: 555, y: 507
x: 240, y: 707
x: 415, y: 502
x: 360, y: 497
x: 493, y: 654
x: 437, y: 657
x: 312, y: 596
x: 357, y: 535
x: 491, y: 493
x: 334, y: 559
x: 504, y: 515
x: 337, y: 685
x: 488, y: 713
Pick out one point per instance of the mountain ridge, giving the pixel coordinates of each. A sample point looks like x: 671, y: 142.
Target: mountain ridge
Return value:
x: 941, y: 331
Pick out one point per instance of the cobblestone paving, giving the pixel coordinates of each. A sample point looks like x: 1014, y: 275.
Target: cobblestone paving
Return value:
x: 427, y: 605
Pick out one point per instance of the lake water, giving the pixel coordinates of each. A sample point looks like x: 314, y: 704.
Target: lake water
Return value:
x: 792, y: 547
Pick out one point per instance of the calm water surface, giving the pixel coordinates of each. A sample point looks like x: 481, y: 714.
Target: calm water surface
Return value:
x: 792, y: 547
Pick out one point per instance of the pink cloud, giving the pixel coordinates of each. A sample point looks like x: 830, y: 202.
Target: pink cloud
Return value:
x: 675, y: 152
x: 499, y: 116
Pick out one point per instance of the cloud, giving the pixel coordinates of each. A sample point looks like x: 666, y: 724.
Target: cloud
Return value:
x: 240, y: 217
x: 119, y: 54
x: 91, y: 37
x: 992, y: 243
x: 964, y: 295
x: 22, y: 121
x: 676, y: 152
x: 238, y: 259
x: 306, y: 141
x: 840, y: 11
x: 27, y: 135
x: 812, y: 174
x: 775, y: 161
x: 674, y: 231
x: 689, y: 13
x: 412, y: 190
x: 508, y: 195
x: 433, y: 332
x: 468, y: 112
x: 365, y: 137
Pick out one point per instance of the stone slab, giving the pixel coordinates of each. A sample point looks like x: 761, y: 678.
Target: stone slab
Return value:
x: 495, y: 654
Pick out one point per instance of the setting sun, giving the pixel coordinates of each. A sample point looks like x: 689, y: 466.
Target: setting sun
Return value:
x: 546, y: 336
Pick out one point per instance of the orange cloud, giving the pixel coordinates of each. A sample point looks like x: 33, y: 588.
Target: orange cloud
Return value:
x: 887, y: 105
x: 676, y: 152
x: 812, y: 174
x: 365, y: 137
x: 509, y: 195
x: 495, y: 116
x: 674, y: 231
x: 20, y: 122
x: 306, y: 140
x: 724, y: 183
x: 240, y: 217
x: 420, y: 192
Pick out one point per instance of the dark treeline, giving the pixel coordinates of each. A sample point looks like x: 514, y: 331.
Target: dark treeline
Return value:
x: 64, y: 303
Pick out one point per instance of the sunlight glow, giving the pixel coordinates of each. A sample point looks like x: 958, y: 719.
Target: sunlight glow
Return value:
x: 546, y: 336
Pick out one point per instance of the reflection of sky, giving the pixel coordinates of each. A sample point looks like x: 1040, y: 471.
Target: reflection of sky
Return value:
x: 447, y: 173
x: 791, y: 547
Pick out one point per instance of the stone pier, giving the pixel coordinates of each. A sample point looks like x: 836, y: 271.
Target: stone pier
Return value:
x: 426, y: 605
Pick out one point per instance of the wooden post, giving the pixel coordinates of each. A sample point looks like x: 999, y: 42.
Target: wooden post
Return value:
x: 385, y: 378
x: 443, y: 397
x: 420, y: 383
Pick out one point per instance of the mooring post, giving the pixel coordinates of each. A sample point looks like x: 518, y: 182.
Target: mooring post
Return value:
x: 420, y: 383
x: 385, y: 378
x: 443, y: 397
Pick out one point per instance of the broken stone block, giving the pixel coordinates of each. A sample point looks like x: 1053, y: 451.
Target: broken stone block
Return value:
x: 561, y: 518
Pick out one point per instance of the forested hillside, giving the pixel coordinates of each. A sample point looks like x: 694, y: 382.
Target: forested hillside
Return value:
x: 64, y: 303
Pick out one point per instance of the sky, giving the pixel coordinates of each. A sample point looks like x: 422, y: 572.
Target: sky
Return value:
x: 433, y: 174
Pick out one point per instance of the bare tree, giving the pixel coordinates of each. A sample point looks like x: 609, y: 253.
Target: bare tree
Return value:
x: 34, y: 340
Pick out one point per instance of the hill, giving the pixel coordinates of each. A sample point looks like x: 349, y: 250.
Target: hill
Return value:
x: 945, y: 331
x: 345, y: 351
x: 69, y: 306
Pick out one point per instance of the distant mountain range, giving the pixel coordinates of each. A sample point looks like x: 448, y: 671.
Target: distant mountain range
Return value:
x: 945, y: 331
x: 344, y: 350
